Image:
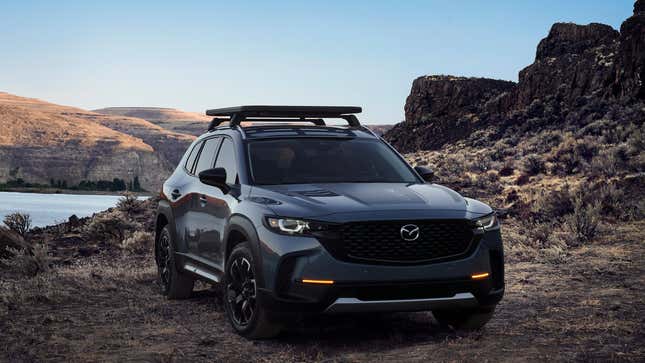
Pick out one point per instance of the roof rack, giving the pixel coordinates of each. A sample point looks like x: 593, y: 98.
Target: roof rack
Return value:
x: 257, y: 113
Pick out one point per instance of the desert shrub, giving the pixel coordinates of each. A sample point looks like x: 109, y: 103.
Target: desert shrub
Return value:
x: 21, y: 256
x: 500, y: 150
x: 636, y: 141
x: 110, y: 227
x: 129, y: 204
x: 479, y: 163
x: 454, y: 166
x: 543, y: 246
x: 18, y: 222
x: 605, y: 164
x: 507, y: 169
x: 572, y: 155
x: 540, y: 233
x: 488, y: 181
x: 9, y: 240
x: 522, y: 179
x: 553, y: 205
x: 612, y: 200
x: 582, y: 225
x: 541, y: 142
x: 30, y: 259
x: 597, y: 128
x: 533, y: 164
x: 139, y: 242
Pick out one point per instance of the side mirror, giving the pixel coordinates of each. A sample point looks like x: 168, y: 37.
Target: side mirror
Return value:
x: 426, y: 173
x: 215, y: 177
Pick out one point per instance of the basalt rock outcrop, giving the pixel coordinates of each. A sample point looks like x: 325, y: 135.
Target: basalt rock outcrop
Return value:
x: 580, y: 73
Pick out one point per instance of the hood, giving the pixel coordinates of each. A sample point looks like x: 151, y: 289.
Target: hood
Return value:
x: 361, y: 201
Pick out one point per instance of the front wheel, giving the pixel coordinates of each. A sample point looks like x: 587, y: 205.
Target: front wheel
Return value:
x: 247, y: 316
x: 466, y: 320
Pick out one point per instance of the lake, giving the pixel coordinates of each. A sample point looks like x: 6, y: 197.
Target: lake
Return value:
x: 48, y: 209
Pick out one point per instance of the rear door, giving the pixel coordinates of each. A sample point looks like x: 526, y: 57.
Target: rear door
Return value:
x: 181, y: 198
x: 197, y: 219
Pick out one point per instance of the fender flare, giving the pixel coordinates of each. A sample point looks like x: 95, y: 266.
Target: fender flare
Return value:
x: 243, y: 225
x: 164, y: 209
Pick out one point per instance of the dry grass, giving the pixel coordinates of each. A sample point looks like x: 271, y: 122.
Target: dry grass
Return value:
x: 108, y: 309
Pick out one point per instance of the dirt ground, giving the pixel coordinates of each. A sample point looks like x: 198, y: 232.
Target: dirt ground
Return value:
x: 588, y: 307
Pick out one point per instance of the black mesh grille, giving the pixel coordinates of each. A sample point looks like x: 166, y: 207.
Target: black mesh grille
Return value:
x: 382, y: 241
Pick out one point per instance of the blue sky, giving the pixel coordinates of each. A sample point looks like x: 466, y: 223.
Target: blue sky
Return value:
x: 195, y: 55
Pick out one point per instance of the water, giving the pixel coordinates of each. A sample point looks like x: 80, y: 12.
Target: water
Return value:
x: 48, y: 209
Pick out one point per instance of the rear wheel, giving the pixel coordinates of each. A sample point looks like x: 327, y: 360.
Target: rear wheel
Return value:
x: 247, y: 316
x: 467, y: 320
x: 173, y: 283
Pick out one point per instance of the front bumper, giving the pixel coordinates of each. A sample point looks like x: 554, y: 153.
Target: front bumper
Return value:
x: 287, y: 260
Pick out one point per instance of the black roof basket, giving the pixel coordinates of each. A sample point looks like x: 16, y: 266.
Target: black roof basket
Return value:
x: 313, y: 114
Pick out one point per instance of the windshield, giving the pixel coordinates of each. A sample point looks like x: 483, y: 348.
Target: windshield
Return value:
x: 305, y: 161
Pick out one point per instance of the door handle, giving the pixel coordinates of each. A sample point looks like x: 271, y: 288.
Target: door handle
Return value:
x: 175, y: 194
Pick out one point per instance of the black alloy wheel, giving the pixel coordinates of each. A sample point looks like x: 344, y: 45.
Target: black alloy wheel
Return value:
x: 164, y: 261
x: 241, y: 291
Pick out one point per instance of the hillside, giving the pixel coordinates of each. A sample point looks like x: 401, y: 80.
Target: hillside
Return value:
x: 191, y: 123
x: 42, y: 141
x: 573, y: 121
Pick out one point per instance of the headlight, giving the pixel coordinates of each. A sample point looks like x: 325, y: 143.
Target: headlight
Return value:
x: 294, y: 226
x: 488, y: 222
x: 287, y: 225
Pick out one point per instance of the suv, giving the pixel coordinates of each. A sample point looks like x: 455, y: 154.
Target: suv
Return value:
x: 291, y: 215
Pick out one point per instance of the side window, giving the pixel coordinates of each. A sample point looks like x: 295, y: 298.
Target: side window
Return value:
x: 190, y: 162
x: 226, y: 160
x: 207, y: 156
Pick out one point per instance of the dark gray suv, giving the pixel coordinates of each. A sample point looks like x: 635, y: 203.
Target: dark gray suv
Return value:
x: 290, y: 215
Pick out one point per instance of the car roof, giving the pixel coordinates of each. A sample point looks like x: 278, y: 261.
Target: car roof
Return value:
x: 297, y: 131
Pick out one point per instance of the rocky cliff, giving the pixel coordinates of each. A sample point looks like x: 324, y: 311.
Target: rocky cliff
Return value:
x: 581, y: 73
x: 41, y: 141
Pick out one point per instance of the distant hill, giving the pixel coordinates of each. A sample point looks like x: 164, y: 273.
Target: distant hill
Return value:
x: 42, y: 141
x: 191, y: 123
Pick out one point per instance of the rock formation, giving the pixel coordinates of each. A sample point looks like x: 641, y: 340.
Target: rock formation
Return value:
x: 575, y: 66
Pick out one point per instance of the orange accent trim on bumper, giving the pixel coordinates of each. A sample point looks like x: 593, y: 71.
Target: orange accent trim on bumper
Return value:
x: 323, y: 282
x: 480, y: 276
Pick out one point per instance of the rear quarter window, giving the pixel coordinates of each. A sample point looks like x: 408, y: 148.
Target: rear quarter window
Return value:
x: 190, y: 162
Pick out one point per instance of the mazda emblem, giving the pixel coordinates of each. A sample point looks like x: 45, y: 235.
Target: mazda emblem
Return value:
x: 410, y: 232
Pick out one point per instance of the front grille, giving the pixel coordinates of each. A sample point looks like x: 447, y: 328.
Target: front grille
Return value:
x: 381, y: 242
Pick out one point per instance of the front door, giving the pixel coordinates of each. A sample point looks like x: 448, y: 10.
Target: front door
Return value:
x: 216, y: 206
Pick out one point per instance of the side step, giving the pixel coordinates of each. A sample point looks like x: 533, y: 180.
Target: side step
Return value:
x: 201, y: 272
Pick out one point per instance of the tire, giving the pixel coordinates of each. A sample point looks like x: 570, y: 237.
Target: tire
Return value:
x: 466, y: 320
x: 245, y: 313
x: 173, y: 283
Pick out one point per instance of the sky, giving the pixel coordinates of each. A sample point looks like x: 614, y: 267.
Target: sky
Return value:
x: 195, y: 55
